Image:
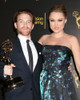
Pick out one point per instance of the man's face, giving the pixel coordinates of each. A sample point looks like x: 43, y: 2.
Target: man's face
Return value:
x: 24, y: 24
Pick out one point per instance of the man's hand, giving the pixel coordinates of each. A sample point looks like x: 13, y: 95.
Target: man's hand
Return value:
x: 8, y: 70
x: 70, y: 67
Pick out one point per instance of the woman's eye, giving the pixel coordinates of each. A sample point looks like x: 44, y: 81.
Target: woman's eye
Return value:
x: 52, y: 20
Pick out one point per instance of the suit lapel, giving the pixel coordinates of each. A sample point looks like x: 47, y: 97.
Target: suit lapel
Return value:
x: 18, y: 50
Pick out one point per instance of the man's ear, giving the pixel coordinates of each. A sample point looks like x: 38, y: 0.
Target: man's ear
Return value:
x: 32, y: 26
x: 15, y: 25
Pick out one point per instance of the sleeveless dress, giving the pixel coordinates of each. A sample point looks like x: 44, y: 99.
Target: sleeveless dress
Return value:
x: 56, y: 82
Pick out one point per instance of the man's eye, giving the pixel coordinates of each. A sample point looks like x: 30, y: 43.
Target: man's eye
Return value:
x: 60, y: 20
x: 29, y: 21
x: 20, y: 21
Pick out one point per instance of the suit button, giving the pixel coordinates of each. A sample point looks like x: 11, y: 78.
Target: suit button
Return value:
x: 31, y: 89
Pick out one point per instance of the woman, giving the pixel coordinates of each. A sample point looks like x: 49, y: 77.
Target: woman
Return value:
x: 56, y: 82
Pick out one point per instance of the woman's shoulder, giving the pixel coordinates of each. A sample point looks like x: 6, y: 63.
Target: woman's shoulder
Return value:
x: 73, y: 39
x: 43, y: 38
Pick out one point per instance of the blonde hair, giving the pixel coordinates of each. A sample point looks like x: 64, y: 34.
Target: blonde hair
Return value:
x: 58, y: 8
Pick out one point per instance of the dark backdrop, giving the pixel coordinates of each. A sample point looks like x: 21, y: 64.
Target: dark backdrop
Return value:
x: 40, y: 9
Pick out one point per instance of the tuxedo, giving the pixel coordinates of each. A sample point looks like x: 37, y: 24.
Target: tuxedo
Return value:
x: 31, y: 89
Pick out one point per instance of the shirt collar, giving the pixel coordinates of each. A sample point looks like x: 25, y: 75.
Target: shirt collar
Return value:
x: 23, y: 38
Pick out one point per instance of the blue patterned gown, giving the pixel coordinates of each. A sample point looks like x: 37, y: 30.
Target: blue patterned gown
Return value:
x: 56, y: 82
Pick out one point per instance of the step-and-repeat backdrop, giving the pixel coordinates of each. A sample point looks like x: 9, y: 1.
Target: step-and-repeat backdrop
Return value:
x: 40, y: 9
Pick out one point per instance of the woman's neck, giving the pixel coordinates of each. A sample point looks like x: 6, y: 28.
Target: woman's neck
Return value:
x: 58, y: 35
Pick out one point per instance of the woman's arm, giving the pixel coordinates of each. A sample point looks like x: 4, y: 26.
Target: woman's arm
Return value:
x: 76, y: 52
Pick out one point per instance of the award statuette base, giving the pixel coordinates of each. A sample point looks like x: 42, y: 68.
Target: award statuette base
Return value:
x: 13, y: 83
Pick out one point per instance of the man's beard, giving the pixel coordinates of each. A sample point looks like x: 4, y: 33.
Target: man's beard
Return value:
x: 26, y: 32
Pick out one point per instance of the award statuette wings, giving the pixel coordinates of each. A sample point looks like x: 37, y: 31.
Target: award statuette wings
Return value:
x: 11, y: 83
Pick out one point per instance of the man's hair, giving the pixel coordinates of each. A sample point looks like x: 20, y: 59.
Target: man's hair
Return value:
x: 23, y: 11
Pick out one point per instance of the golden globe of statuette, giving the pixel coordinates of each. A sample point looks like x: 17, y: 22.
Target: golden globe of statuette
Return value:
x: 11, y: 83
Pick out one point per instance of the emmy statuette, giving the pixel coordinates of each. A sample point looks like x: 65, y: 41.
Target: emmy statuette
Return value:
x: 11, y: 83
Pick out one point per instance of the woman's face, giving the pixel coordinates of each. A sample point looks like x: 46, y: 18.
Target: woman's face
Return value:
x: 57, y: 21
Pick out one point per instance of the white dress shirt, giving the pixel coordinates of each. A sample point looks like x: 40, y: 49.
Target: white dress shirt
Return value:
x: 25, y: 52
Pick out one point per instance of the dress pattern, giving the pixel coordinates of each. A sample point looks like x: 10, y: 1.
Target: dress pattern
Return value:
x: 56, y: 82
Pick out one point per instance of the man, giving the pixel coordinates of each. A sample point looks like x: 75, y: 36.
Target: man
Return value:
x: 24, y: 24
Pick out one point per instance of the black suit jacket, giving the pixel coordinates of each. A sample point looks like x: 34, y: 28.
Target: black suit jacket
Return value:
x: 30, y: 90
